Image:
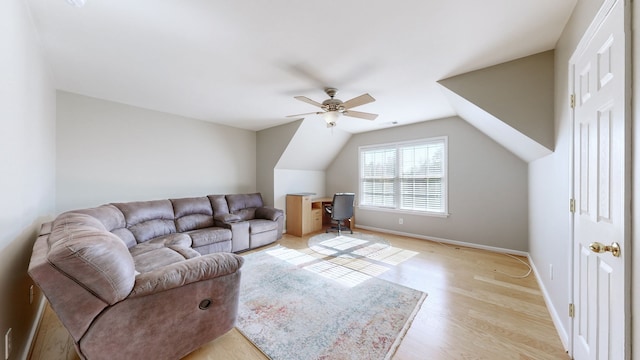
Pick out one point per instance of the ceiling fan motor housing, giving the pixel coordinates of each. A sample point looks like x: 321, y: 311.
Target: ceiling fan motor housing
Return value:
x: 332, y: 105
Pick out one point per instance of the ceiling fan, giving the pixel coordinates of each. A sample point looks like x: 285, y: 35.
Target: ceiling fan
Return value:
x: 334, y: 107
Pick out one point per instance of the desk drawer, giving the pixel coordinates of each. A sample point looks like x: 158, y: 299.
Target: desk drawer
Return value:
x: 316, y: 219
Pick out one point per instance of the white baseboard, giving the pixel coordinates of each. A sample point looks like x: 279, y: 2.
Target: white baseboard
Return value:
x: 447, y: 241
x: 26, y: 354
x: 562, y: 332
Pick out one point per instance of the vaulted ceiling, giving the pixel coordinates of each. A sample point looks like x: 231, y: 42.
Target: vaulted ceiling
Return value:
x: 240, y: 63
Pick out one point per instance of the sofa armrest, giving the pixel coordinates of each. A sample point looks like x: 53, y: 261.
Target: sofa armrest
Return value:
x: 268, y: 213
x: 227, y: 218
x: 239, y: 234
x: 186, y: 272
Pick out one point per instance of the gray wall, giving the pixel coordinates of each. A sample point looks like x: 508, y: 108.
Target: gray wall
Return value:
x: 270, y: 144
x: 549, y: 194
x: 27, y: 167
x: 113, y: 152
x: 487, y: 187
x: 518, y: 92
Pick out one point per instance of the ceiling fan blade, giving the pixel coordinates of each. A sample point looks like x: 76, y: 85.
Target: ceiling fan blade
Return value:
x: 357, y: 101
x: 311, y: 113
x: 360, y: 114
x: 308, y: 101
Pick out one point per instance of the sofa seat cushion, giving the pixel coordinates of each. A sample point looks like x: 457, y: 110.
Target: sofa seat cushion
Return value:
x: 208, y: 236
x: 268, y: 213
x: 257, y: 226
x: 157, y: 258
x: 176, y: 239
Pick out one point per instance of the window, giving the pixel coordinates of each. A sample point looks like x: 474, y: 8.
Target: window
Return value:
x: 409, y: 176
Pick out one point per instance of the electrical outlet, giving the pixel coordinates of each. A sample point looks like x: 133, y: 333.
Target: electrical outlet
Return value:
x: 30, y: 294
x: 551, y: 271
x: 400, y: 221
x: 7, y: 344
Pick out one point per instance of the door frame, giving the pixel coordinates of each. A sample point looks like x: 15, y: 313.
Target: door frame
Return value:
x: 594, y: 26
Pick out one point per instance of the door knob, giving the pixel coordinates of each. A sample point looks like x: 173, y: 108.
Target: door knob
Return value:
x: 597, y: 247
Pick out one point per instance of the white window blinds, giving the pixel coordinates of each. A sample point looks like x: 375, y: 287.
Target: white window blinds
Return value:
x: 378, y: 177
x: 405, y: 176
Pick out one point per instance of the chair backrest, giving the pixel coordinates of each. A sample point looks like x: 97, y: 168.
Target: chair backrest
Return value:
x: 342, y: 206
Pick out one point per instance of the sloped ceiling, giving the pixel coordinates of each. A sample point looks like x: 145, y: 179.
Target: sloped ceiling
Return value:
x: 511, y: 102
x: 313, y: 146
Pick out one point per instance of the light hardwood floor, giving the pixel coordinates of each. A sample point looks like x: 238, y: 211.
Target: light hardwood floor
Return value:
x: 478, y: 307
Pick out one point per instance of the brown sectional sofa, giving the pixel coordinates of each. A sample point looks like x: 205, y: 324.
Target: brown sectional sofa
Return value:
x: 152, y: 279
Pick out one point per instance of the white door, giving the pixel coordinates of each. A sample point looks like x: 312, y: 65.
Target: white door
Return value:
x: 601, y: 186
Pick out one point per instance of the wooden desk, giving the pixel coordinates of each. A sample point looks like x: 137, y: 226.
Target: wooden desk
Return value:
x: 306, y: 214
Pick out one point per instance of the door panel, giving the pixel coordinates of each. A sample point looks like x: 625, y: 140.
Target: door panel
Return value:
x: 599, y: 138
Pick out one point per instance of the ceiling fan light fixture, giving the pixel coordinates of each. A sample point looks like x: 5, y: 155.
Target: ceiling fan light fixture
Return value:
x: 76, y: 3
x: 330, y: 117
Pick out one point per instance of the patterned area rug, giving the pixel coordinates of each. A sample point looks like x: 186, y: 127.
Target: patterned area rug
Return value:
x: 296, y: 305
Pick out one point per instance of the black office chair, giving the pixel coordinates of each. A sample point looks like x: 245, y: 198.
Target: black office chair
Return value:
x: 341, y: 209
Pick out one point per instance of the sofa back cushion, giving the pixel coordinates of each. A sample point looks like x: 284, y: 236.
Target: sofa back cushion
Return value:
x: 242, y: 201
x: 148, y: 219
x: 113, y: 220
x: 244, y: 205
x: 82, y: 248
x: 219, y: 204
x: 192, y: 213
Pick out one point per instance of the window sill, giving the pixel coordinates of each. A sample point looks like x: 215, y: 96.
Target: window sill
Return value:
x: 400, y: 211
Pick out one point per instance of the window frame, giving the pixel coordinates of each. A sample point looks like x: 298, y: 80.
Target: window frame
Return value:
x: 397, y: 196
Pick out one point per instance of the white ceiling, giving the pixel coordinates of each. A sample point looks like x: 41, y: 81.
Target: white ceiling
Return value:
x: 240, y: 63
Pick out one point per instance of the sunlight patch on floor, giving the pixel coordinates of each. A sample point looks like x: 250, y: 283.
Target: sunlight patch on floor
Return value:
x: 370, y: 250
x: 362, y: 266
x: 291, y: 256
x: 343, y: 242
x: 392, y: 255
x: 341, y: 274
x: 368, y: 261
